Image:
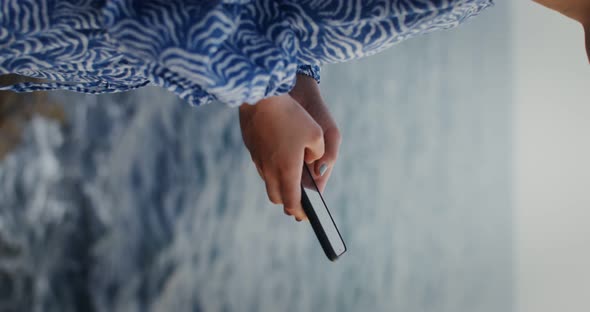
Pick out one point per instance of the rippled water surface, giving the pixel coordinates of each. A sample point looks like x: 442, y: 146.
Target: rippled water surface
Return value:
x: 141, y: 203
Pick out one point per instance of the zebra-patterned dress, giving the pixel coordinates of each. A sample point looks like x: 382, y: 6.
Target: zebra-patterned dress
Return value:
x: 234, y: 51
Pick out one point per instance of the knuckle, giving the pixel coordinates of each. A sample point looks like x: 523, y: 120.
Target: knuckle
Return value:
x: 316, y: 133
x: 298, y: 213
x: 274, y: 200
x: 272, y: 197
x: 300, y: 217
x: 290, y: 204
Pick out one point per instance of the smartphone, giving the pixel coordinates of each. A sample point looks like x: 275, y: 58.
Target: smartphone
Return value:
x: 320, y: 218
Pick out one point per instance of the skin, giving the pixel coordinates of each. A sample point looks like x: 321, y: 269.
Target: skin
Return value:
x: 578, y: 10
x: 283, y: 132
x: 307, y: 93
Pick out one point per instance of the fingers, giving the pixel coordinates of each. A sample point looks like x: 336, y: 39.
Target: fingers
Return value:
x: 283, y: 186
x: 314, y: 148
x: 332, y: 141
x: 273, y: 189
x: 291, y: 194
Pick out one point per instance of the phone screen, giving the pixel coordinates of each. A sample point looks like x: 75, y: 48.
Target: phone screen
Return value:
x: 324, y: 218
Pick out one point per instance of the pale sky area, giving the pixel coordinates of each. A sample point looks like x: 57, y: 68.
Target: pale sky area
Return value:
x: 552, y: 169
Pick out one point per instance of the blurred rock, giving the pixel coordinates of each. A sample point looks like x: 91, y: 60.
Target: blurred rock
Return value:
x: 17, y: 109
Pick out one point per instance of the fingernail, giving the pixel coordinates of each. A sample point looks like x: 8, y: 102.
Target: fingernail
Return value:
x: 323, y: 169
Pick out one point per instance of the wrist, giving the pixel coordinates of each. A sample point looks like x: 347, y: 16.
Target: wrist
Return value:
x: 265, y: 105
x: 306, y: 92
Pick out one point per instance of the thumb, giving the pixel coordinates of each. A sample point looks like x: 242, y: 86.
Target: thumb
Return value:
x: 332, y: 139
x: 314, y: 147
x: 322, y: 168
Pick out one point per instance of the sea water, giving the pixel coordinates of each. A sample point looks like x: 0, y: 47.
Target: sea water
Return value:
x: 142, y: 203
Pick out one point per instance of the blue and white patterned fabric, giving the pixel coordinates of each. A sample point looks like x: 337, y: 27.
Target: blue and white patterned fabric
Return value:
x: 234, y: 51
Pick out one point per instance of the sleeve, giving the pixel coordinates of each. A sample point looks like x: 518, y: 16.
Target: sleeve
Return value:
x: 312, y: 71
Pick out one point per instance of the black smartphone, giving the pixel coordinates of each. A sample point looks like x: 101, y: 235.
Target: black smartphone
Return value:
x: 320, y: 218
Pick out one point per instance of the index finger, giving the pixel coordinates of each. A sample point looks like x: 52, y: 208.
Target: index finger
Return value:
x: 291, y: 193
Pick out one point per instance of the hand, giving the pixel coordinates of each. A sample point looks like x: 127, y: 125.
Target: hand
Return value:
x: 307, y: 93
x: 280, y: 136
